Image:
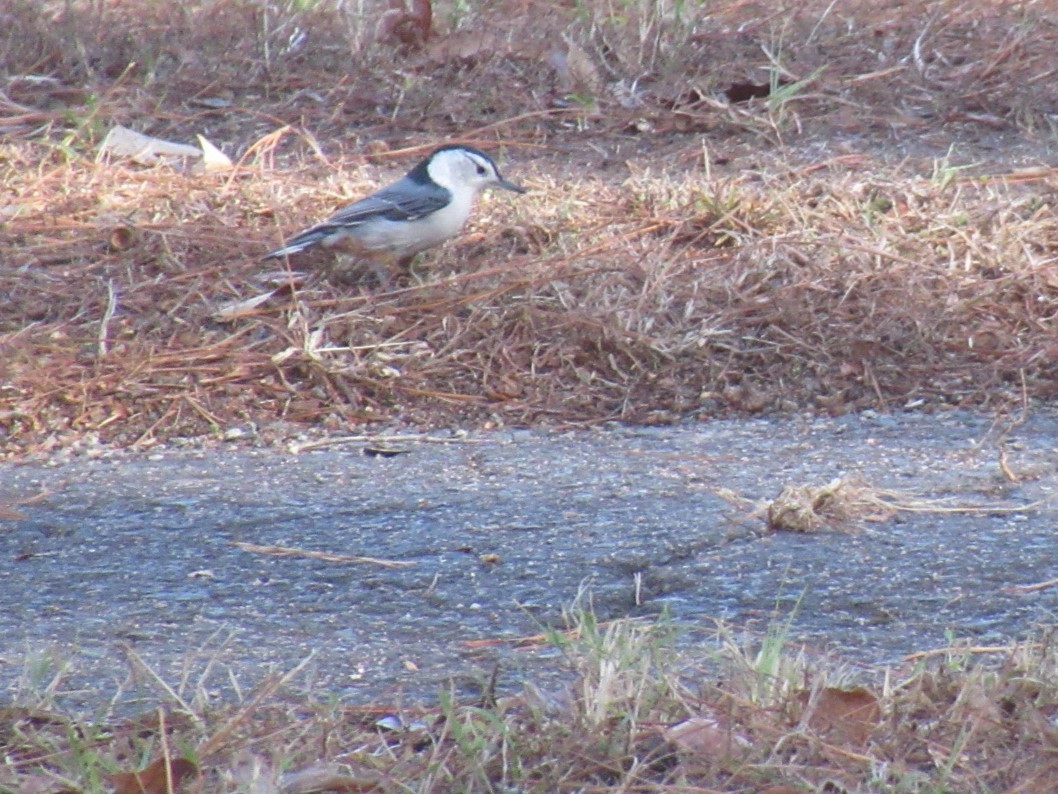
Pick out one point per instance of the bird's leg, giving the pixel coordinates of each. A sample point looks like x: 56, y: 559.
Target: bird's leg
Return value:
x: 407, y: 264
x: 381, y: 265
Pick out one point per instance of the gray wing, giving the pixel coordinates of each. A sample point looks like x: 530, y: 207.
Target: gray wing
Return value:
x: 404, y: 200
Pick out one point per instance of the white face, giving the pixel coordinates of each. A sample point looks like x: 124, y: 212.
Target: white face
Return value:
x: 476, y: 170
x: 460, y: 169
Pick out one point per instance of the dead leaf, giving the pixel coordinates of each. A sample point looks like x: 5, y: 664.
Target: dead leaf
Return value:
x: 155, y: 778
x: 844, y: 716
x: 256, y: 774
x: 236, y: 309
x: 744, y: 92
x: 464, y: 45
x: 406, y: 28
x: 422, y: 11
x: 212, y: 157
x: 143, y: 149
x: 575, y: 70
x: 324, y: 778
x: 705, y: 736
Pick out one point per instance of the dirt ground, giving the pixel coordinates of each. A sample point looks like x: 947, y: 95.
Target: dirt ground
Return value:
x: 734, y: 209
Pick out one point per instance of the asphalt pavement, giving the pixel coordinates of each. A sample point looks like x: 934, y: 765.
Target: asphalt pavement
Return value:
x: 387, y: 559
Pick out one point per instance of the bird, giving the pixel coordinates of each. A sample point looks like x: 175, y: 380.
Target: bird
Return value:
x: 422, y: 209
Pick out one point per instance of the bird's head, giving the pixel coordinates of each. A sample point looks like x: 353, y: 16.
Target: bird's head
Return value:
x: 458, y: 167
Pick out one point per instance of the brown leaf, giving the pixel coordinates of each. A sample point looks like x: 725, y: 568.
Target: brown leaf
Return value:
x: 409, y: 29
x: 575, y: 70
x: 325, y: 778
x: 464, y: 45
x: 155, y: 778
x: 422, y: 13
x: 845, y: 716
x: 705, y: 736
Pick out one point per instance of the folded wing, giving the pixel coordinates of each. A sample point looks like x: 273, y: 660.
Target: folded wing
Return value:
x: 402, y: 201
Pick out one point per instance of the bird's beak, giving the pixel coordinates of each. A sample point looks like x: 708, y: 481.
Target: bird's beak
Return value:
x: 508, y: 185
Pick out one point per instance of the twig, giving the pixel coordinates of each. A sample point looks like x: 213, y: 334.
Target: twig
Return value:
x: 1030, y: 588
x: 951, y: 649
x: 264, y: 691
x: 333, y: 442
x: 287, y: 551
x: 136, y: 660
x: 108, y: 315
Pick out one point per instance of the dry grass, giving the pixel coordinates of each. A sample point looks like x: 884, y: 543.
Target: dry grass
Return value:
x: 813, y: 250
x: 735, y: 715
x: 848, y: 503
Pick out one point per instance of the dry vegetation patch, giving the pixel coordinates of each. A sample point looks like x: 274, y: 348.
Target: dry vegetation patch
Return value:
x: 681, y: 253
x: 739, y: 715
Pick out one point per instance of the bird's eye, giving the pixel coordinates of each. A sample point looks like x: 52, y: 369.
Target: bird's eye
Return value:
x: 481, y: 170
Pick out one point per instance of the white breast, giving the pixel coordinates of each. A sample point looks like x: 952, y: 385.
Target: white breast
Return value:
x: 410, y: 237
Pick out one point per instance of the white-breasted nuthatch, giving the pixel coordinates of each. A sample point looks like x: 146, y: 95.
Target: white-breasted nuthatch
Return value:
x: 424, y: 208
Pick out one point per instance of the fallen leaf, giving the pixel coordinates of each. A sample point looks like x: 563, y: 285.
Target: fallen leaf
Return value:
x: 212, y: 157
x: 575, y: 71
x: 463, y: 45
x: 844, y: 716
x: 143, y: 149
x: 155, y: 778
x: 324, y: 778
x: 409, y: 29
x: 235, y: 309
x: 705, y: 736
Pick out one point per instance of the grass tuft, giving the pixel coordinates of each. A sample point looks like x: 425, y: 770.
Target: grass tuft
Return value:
x: 640, y: 708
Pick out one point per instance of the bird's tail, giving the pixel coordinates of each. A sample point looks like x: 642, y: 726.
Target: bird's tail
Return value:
x: 299, y: 242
